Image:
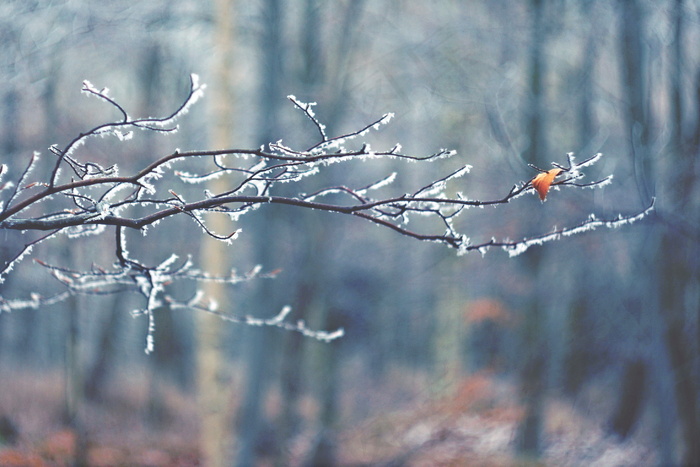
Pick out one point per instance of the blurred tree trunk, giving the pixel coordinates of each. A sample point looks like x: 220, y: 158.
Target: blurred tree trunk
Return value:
x: 636, y: 115
x: 12, y: 145
x: 588, y: 127
x: 533, y: 369
x: 53, y: 133
x: 322, y: 77
x: 574, y: 366
x: 261, y: 349
x: 153, y: 82
x: 97, y: 376
x: 74, y: 397
x: 339, y: 60
x: 631, y: 397
x: 9, y: 145
x: 671, y: 254
x: 450, y: 329
x: 292, y: 369
x: 10, y: 123
x: 272, y: 55
x: 307, y: 296
x: 213, y: 392
x: 164, y: 362
x: 634, y: 81
x: 326, y: 376
x: 675, y: 255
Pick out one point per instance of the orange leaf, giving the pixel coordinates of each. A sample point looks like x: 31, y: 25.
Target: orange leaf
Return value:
x: 543, y: 181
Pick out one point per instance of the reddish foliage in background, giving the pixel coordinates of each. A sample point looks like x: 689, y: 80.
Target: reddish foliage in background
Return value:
x: 487, y: 309
x: 15, y: 458
x: 60, y: 446
x: 104, y: 456
x: 117, y: 432
x: 473, y: 393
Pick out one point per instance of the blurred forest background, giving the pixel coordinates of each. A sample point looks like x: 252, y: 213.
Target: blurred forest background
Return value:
x: 581, y: 352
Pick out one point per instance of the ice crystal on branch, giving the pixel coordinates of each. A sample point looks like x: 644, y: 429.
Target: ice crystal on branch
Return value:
x: 90, y: 198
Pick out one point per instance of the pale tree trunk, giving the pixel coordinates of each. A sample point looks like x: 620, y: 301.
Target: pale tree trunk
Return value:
x: 213, y: 393
x: 450, y: 329
x: 74, y: 398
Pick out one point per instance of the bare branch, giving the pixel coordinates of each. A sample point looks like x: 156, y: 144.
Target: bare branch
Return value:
x: 96, y: 197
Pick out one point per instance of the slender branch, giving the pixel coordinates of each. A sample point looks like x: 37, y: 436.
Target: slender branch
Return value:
x: 95, y: 197
x: 25, y: 250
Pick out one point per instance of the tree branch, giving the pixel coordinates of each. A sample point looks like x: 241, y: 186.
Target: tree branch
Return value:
x: 95, y: 198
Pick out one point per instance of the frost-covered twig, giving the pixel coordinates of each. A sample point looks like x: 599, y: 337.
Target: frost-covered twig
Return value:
x: 94, y: 197
x: 23, y: 251
x: 278, y: 321
x: 121, y: 129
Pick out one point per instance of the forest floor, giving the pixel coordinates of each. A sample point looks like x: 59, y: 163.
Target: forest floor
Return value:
x: 477, y: 426
x: 474, y: 426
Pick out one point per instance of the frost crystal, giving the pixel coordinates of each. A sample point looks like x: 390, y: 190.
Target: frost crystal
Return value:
x: 591, y: 223
x: 388, y: 180
x: 88, y: 198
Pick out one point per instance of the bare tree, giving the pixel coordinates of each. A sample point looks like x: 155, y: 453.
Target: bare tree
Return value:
x: 90, y: 197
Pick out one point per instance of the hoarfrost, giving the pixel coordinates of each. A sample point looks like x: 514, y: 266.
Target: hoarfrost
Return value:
x: 91, y: 212
x: 197, y: 178
x: 388, y: 180
x: 11, y: 264
x: 591, y: 223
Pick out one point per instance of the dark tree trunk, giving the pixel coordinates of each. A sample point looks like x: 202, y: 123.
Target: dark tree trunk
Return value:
x: 97, y: 376
x: 261, y: 349
x: 634, y: 58
x: 677, y: 258
x: 630, y: 402
x: 532, y: 373
x: 672, y: 257
x: 588, y: 126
